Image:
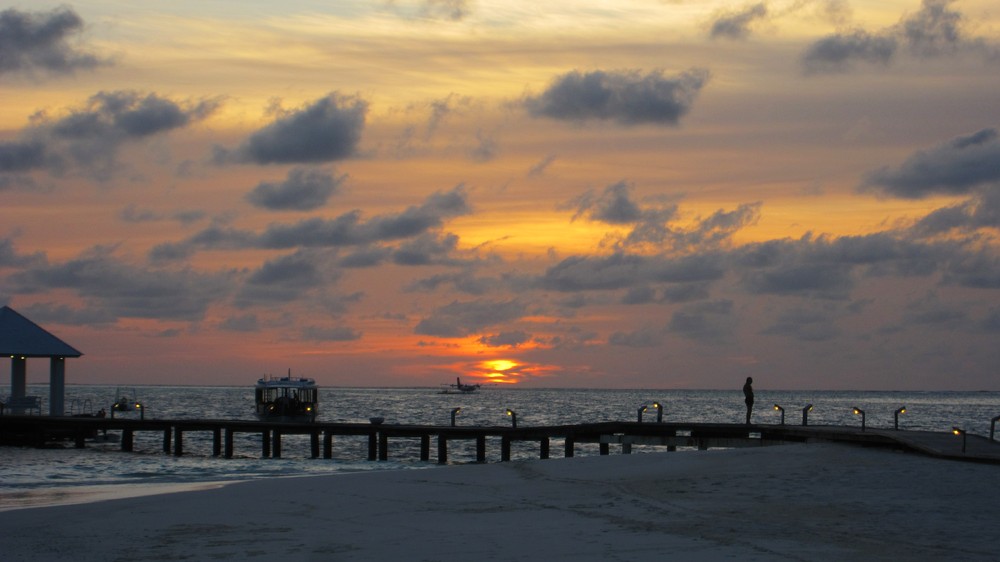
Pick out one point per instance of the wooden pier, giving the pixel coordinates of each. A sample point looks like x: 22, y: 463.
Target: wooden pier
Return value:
x: 41, y: 431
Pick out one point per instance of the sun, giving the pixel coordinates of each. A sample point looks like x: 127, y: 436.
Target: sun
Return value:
x: 500, y: 364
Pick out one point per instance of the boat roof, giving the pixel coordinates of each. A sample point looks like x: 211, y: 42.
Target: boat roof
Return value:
x: 286, y: 381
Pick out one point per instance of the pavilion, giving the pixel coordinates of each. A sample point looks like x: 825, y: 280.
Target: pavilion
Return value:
x: 20, y: 339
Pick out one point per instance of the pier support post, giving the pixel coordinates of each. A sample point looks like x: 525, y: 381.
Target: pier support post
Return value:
x: 217, y: 442
x: 265, y: 442
x: 626, y: 448
x: 327, y: 444
x: 372, y: 446
x: 276, y: 444
x: 543, y: 452
x: 167, y: 440
x: 314, y: 443
x: 229, y: 443
x: 605, y: 449
x: 481, y: 448
x: 127, y: 441
x: 178, y: 441
x: 504, y: 448
x: 442, y: 449
x: 570, y: 442
x: 57, y: 386
x: 425, y: 447
x: 383, y: 446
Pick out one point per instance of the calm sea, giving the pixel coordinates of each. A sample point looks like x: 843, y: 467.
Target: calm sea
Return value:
x: 50, y: 472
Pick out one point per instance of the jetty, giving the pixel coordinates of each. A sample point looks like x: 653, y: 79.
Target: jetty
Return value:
x: 48, y: 431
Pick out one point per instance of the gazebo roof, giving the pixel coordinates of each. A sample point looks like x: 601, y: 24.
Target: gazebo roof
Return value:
x: 20, y: 336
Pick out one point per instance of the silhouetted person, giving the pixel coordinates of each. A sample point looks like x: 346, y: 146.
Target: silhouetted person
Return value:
x: 748, y: 397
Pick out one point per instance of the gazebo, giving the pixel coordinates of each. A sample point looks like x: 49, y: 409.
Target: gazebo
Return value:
x: 20, y: 339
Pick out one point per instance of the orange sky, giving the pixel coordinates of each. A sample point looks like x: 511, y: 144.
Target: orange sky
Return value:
x: 631, y: 194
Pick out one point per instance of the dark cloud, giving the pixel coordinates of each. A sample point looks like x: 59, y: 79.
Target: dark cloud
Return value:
x: 651, y: 222
x: 628, y: 97
x: 45, y: 313
x: 9, y: 256
x: 639, y: 295
x: 88, y: 138
x: 707, y: 322
x: 460, y: 319
x: 643, y: 337
x: 837, y: 52
x: 583, y: 273
x: 539, y: 168
x: 804, y: 325
x: 108, y: 283
x: 304, y: 189
x: 955, y: 167
x: 330, y: 333
x: 286, y: 278
x: 736, y: 25
x: 241, y: 323
x: 326, y: 130
x: 933, y: 31
x: 427, y: 249
x: 513, y: 338
x: 33, y: 42
x: 21, y: 156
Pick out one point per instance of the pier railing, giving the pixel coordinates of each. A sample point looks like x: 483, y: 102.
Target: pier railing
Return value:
x: 43, y: 430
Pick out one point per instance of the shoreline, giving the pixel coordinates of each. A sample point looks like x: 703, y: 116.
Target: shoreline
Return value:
x: 790, y: 502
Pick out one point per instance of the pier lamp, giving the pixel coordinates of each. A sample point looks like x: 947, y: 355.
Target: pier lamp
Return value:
x: 993, y: 425
x: 454, y: 412
x: 778, y: 408
x: 641, y: 410
x: 895, y: 417
x: 805, y: 414
x: 859, y: 411
x: 142, y: 410
x: 961, y: 432
x: 513, y: 418
x: 659, y: 412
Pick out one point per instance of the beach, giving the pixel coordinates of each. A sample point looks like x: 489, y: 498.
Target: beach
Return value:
x: 790, y: 502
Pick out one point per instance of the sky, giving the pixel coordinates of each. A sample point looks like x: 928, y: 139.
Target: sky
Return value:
x: 630, y: 194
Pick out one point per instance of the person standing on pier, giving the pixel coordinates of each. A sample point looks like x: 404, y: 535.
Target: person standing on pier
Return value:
x: 748, y: 397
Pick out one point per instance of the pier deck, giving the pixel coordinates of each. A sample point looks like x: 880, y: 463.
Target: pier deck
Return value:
x: 43, y: 431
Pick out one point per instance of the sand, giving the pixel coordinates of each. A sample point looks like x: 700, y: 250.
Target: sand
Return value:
x: 797, y: 502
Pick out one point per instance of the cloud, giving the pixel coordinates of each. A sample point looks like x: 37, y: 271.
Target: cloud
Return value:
x: 836, y: 52
x: 625, y: 96
x: 88, y: 138
x: 708, y: 322
x: 399, y: 236
x: 643, y: 337
x: 304, y: 189
x: 736, y: 25
x: 460, y: 319
x: 651, y: 223
x: 933, y: 31
x: 980, y: 211
x: 513, y: 338
x: 330, y: 333
x: 454, y: 10
x: 325, y: 130
x: 955, y: 167
x: 286, y: 278
x: 33, y: 42
x: 804, y: 325
x: 106, y: 282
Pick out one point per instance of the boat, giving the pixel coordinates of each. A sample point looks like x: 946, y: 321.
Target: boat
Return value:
x: 286, y: 398
x: 459, y: 388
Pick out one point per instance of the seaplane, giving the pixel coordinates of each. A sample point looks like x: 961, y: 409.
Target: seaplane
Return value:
x: 459, y: 388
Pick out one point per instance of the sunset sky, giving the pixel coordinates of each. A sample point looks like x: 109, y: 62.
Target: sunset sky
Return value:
x: 623, y: 194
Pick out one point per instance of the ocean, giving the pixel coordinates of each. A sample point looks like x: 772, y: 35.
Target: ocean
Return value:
x: 47, y: 476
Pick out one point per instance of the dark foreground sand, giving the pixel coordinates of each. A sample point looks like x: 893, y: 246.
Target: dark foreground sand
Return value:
x: 797, y: 502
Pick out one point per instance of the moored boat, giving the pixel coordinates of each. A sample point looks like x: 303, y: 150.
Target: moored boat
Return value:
x: 287, y: 398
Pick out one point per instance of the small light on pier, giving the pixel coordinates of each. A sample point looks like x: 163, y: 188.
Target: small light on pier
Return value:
x: 805, y: 413
x: 900, y: 410
x: 454, y: 412
x: 857, y: 412
x: 659, y: 412
x: 778, y: 408
x: 513, y: 418
x: 961, y: 432
x: 993, y: 425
